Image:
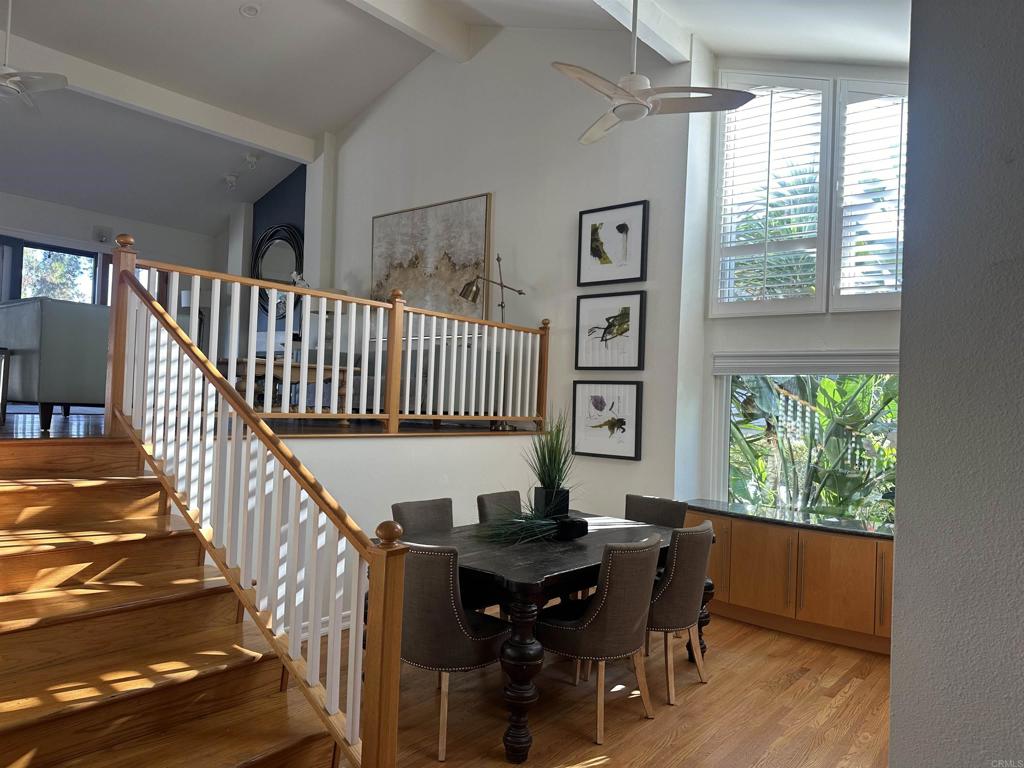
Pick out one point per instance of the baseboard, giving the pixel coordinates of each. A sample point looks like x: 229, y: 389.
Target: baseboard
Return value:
x: 872, y: 643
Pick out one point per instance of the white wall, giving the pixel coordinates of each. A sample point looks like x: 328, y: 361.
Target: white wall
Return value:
x: 958, y: 646
x: 507, y: 123
x: 56, y: 224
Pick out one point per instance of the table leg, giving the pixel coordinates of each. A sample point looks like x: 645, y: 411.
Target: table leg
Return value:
x: 704, y: 618
x: 521, y: 659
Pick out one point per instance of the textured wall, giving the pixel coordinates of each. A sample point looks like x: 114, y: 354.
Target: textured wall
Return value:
x: 958, y: 642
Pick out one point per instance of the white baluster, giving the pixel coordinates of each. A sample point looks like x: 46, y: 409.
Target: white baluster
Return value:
x: 430, y: 365
x: 519, y: 337
x: 206, y: 454
x: 142, y: 338
x: 233, y: 333
x: 160, y: 367
x: 173, y: 384
x: 234, y: 489
x: 286, y: 363
x: 492, y: 385
x: 152, y: 353
x: 335, y: 606
x: 247, y: 507
x: 214, y: 332
x: 410, y: 319
x: 441, y: 366
x: 364, y: 359
x: 128, y: 382
x: 336, y: 356
x: 453, y: 386
x: 463, y: 354
x: 304, y: 355
x: 250, y: 353
x: 220, y: 473
x: 534, y: 376
x: 502, y: 363
x: 418, y: 404
x: 378, y: 361
x: 294, y: 556
x: 350, y: 361
x: 311, y: 594
x: 321, y: 350
x: 357, y: 574
x: 280, y: 500
x: 271, y: 344
x: 483, y: 370
x: 472, y: 370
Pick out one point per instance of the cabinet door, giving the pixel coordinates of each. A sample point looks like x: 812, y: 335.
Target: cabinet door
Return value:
x: 836, y: 575
x: 718, y: 564
x: 762, y: 567
x: 883, y: 607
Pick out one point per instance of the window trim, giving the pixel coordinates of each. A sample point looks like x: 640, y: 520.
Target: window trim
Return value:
x: 742, y: 80
x: 865, y: 302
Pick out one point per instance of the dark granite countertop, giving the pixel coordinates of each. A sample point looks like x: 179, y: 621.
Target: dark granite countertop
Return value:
x: 821, y: 521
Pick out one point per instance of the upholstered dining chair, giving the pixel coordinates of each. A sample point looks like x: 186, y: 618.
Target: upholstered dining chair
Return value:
x: 495, y: 506
x: 438, y: 634
x: 667, y: 513
x: 427, y: 516
x: 610, y: 624
x: 675, y: 604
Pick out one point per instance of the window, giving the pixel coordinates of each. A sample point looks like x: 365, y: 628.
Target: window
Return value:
x: 785, y: 244
x: 815, y: 441
x: 57, y: 274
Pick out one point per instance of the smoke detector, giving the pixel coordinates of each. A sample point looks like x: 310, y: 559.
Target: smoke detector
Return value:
x: 249, y: 10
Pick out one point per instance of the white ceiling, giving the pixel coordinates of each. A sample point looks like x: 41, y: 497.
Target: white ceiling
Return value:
x: 538, y: 14
x: 301, y: 65
x: 87, y: 153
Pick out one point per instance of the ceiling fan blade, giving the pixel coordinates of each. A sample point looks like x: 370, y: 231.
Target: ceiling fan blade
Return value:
x: 702, y: 100
x: 38, y: 82
x: 604, y: 124
x: 606, y: 88
x: 28, y: 103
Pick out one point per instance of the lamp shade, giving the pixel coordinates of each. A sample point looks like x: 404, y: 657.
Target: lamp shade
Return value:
x: 471, y: 290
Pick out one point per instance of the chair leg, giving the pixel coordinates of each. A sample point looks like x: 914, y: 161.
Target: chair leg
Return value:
x: 440, y: 678
x: 670, y: 669
x: 587, y: 666
x: 698, y: 657
x: 600, y: 703
x: 442, y: 736
x: 647, y: 643
x: 65, y: 410
x: 45, y: 416
x: 641, y: 682
x: 576, y: 678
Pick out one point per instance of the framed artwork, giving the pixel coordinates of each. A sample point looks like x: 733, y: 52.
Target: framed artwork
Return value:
x: 430, y: 252
x: 606, y: 419
x: 613, y: 244
x: 610, y: 331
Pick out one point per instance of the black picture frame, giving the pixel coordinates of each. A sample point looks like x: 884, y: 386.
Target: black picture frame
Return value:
x: 641, y: 331
x: 645, y: 206
x: 638, y: 418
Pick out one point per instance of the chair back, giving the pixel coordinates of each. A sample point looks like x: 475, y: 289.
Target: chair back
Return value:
x: 498, y: 506
x: 678, y: 593
x: 418, y: 517
x: 615, y: 624
x: 667, y: 513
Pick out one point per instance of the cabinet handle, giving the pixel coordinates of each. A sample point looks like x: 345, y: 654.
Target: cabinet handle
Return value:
x: 801, y: 574
x: 881, y: 591
x: 789, y: 570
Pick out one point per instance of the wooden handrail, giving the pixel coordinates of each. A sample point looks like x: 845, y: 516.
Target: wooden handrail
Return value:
x: 316, y: 492
x: 474, y: 320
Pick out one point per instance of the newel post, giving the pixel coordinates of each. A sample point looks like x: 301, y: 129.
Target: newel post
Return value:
x: 393, y: 380
x: 542, y: 372
x: 382, y: 662
x: 123, y: 260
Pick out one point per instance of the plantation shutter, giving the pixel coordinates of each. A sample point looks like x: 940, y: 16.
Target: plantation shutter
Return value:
x: 772, y: 204
x: 873, y: 162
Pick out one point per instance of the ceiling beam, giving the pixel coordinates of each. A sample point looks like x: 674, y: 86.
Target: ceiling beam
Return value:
x: 107, y: 84
x: 430, y: 22
x: 657, y: 28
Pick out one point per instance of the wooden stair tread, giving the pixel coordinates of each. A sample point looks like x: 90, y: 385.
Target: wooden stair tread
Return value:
x: 36, y: 695
x: 28, y: 610
x: 73, y: 456
x: 235, y: 737
x: 36, y: 484
x: 87, y: 533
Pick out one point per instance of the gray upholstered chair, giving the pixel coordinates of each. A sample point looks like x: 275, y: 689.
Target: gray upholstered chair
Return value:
x: 428, y: 516
x: 437, y: 633
x: 495, y: 506
x: 675, y: 604
x: 667, y: 513
x: 612, y: 623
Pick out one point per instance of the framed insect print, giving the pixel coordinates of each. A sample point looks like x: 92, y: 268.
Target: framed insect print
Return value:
x: 606, y: 419
x: 612, y: 244
x: 610, y: 331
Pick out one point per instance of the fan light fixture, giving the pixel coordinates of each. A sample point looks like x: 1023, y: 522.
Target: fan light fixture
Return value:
x: 20, y: 85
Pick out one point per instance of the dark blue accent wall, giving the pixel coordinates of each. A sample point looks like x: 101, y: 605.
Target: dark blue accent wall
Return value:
x: 284, y: 204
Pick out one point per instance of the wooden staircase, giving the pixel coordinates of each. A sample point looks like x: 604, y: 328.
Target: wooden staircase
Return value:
x: 118, y: 646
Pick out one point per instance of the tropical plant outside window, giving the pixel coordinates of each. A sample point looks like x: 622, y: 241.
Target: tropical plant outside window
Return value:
x: 57, y: 275
x: 820, y: 442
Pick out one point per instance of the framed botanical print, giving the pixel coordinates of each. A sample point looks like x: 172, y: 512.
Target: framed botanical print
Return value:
x: 606, y: 419
x: 613, y: 244
x: 610, y: 331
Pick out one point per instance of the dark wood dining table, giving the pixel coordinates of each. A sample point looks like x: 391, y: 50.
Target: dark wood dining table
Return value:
x: 526, y: 576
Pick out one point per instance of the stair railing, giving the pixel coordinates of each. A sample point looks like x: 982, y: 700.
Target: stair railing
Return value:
x: 301, y: 567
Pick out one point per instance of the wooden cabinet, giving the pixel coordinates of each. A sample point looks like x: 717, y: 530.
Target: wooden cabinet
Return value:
x: 762, y: 567
x: 718, y: 564
x: 836, y: 581
x: 883, y: 579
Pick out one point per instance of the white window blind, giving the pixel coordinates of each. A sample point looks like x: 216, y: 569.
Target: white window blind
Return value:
x: 771, y: 196
x: 872, y: 163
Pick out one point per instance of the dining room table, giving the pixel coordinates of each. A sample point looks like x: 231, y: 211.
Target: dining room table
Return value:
x: 525, y: 576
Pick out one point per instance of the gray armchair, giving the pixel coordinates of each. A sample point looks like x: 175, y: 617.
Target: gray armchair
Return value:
x: 437, y: 632
x: 58, y: 353
x: 498, y: 505
x: 428, y: 516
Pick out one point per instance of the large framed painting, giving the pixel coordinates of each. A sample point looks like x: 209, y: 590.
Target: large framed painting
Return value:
x: 613, y: 244
x: 607, y: 419
x: 429, y: 253
x: 610, y: 331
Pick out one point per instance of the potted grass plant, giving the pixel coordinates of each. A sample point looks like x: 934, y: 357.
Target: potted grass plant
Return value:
x: 550, y: 459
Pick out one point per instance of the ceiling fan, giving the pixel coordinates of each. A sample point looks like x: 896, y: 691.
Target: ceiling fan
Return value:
x: 19, y: 85
x: 633, y: 97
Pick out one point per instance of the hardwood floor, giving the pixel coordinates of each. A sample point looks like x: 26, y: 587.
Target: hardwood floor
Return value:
x: 23, y: 422
x: 773, y: 700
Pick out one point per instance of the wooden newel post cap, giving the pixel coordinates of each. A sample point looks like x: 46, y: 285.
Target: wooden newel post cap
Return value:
x: 389, y: 532
x: 545, y: 323
x: 396, y: 295
x: 124, y: 240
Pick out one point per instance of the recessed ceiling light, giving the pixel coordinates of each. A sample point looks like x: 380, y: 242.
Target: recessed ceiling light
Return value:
x: 249, y: 10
